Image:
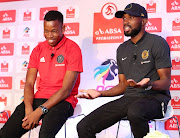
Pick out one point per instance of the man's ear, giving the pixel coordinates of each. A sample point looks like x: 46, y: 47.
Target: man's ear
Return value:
x: 144, y: 21
x: 63, y: 28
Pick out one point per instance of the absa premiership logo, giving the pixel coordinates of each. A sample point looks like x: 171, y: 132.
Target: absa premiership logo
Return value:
x: 108, y: 70
x: 109, y: 10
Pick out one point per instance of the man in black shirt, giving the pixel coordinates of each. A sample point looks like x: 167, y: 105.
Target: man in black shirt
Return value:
x: 144, y: 68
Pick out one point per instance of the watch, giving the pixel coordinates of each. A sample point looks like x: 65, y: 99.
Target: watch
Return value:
x: 149, y: 87
x: 44, y: 109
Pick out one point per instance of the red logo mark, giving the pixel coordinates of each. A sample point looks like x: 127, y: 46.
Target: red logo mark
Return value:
x: 25, y: 49
x: 3, y: 98
x: 175, y: 82
x: 151, y: 7
x: 6, y: 49
x: 70, y: 12
x: 154, y: 25
x: 72, y: 29
x: 27, y: 15
x: 171, y: 124
x: 7, y: 16
x: 4, y: 67
x: 173, y: 6
x: 175, y: 102
x: 176, y: 24
x: 5, y: 82
x: 4, y: 116
x: 43, y: 11
x: 174, y: 42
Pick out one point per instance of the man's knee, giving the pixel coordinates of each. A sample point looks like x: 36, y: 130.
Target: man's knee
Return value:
x: 135, y: 114
x: 81, y: 126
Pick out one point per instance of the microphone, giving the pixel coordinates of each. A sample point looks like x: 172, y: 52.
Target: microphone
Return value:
x: 134, y: 57
x: 52, y: 55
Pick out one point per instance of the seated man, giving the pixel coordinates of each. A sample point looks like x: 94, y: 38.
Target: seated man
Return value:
x: 145, y: 59
x: 59, y: 63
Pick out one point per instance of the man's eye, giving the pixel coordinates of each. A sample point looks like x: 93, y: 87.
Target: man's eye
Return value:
x: 132, y: 17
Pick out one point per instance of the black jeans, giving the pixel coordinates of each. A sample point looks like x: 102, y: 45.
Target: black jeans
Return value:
x: 139, y: 111
x: 51, y: 122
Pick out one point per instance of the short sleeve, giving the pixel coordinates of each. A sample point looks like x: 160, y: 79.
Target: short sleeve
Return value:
x: 74, y: 58
x: 161, y: 53
x: 120, y: 71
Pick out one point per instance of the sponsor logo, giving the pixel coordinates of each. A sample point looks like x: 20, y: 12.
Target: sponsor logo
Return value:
x: 4, y: 116
x: 6, y: 33
x: 5, y: 82
x: 3, y: 99
x: 6, y: 49
x: 26, y: 32
x: 175, y: 102
x: 151, y: 6
x: 124, y: 58
x: 173, y: 6
x: 175, y: 82
x: 42, y: 59
x: 176, y: 63
x: 24, y: 66
x: 174, y: 42
x: 71, y: 29
x: 109, y: 10
x: 22, y: 83
x: 107, y: 29
x: 43, y: 11
x: 171, y: 124
x: 154, y: 25
x: 25, y: 49
x: 176, y: 24
x: 70, y: 12
x: 7, y: 16
x: 4, y: 66
x: 27, y: 15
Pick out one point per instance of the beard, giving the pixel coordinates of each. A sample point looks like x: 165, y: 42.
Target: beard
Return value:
x: 133, y: 32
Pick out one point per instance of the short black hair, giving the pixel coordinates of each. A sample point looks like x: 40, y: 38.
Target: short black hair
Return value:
x: 54, y: 15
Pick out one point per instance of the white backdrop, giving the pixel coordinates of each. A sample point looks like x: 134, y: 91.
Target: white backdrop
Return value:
x: 90, y: 24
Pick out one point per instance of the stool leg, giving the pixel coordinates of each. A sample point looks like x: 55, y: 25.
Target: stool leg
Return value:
x: 65, y: 129
x: 177, y: 124
x: 29, y: 133
x: 117, y: 129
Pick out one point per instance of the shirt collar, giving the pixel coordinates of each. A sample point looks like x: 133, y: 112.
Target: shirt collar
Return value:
x: 141, y: 38
x: 59, y: 44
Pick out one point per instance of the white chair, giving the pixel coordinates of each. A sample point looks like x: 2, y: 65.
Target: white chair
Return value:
x: 77, y: 113
x: 168, y: 115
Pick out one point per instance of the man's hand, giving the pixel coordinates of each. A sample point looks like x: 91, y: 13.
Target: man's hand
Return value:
x: 31, y: 120
x: 88, y: 94
x: 142, y: 84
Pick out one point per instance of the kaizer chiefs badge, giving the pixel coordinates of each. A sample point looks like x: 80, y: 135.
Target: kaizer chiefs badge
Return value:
x: 60, y: 59
x: 145, y: 54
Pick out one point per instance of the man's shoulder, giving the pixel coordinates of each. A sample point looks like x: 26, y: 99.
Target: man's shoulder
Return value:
x: 70, y: 44
x: 151, y: 36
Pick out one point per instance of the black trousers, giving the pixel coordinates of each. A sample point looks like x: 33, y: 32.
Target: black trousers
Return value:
x: 139, y: 111
x: 51, y: 122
